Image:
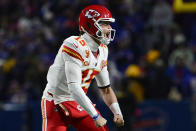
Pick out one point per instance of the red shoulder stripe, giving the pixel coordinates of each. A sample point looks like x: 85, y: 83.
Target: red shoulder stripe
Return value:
x: 72, y: 53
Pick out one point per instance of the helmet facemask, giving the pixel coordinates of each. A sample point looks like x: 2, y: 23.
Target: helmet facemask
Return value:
x: 104, y: 38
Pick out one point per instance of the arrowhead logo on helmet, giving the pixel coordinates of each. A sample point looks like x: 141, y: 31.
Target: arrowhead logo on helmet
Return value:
x: 92, y: 13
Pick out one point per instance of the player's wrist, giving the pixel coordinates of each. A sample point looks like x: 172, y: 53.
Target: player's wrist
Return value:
x: 95, y: 117
x: 115, y: 108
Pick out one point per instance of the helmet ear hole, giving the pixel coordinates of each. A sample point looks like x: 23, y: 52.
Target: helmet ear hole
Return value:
x: 99, y: 33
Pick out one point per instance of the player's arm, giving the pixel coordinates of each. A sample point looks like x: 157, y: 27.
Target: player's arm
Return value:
x: 73, y: 62
x: 109, y: 96
x: 73, y: 74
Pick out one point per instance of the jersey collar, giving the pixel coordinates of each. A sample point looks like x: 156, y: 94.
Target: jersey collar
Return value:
x: 90, y: 42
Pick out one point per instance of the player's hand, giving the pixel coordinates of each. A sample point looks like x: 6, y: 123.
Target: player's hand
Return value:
x: 118, y: 120
x: 100, y: 122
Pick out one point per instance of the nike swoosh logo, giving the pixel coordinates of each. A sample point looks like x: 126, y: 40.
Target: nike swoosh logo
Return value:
x: 75, y: 45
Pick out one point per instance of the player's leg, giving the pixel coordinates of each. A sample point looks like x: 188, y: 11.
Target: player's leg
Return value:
x: 52, y: 117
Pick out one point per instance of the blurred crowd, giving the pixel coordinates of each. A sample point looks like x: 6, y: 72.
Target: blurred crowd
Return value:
x: 153, y: 55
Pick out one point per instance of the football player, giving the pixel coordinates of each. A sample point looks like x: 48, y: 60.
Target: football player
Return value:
x: 78, y: 61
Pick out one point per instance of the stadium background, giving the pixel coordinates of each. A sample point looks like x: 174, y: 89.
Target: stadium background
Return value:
x: 152, y: 61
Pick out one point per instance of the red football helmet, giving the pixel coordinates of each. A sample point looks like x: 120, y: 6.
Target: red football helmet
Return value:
x: 89, y: 22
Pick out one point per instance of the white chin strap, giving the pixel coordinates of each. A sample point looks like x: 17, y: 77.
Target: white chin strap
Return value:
x: 104, y: 40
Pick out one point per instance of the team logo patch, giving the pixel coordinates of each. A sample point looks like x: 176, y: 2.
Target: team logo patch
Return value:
x: 86, y: 63
x: 87, y: 53
x: 92, y: 13
x: 103, y: 64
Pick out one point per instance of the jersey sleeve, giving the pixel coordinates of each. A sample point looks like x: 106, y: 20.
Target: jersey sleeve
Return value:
x: 71, y: 52
x: 103, y: 78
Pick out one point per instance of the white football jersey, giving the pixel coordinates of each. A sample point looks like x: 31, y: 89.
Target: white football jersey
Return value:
x: 76, y: 49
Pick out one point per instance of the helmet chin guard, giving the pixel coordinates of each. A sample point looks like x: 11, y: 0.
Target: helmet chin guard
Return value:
x: 104, y: 40
x: 89, y: 23
x: 100, y: 33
